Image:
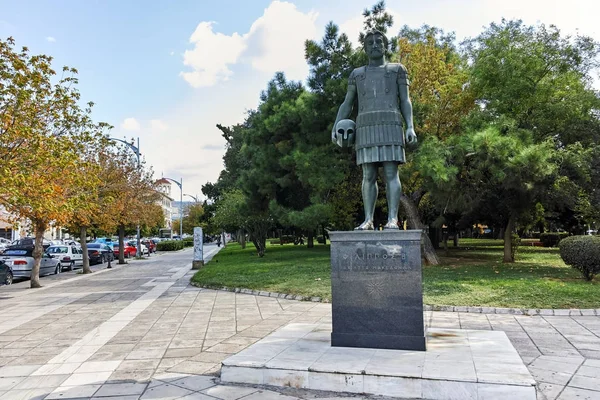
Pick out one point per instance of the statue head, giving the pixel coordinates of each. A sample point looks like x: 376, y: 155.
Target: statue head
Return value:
x: 375, y: 44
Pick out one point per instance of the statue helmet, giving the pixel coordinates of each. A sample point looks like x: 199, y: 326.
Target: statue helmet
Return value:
x: 345, y: 131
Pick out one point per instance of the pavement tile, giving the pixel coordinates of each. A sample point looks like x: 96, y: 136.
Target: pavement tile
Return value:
x: 146, y: 354
x: 17, y: 370
x: 571, y: 393
x: 549, y: 391
x: 88, y: 378
x: 9, y: 383
x: 98, y: 366
x: 229, y: 392
x: 210, y: 357
x: 585, y: 382
x: 195, y: 383
x: 42, y: 381
x: 191, y: 367
x: 196, y: 396
x: 26, y: 394
x: 121, y: 389
x: 268, y: 395
x: 165, y: 392
x: 182, y: 352
x: 132, y: 365
x: 73, y: 392
x: 140, y: 375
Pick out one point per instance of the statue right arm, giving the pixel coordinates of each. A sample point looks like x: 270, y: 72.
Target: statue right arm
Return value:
x: 345, y: 109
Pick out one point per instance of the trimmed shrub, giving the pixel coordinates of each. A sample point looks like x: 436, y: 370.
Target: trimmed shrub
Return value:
x: 582, y: 253
x: 552, y: 239
x: 188, y: 242
x: 170, y: 245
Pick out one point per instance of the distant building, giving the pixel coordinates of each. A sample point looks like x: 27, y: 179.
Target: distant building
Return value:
x: 176, y: 209
x: 23, y: 229
x: 164, y: 187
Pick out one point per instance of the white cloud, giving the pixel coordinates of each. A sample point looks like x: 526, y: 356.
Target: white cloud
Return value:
x: 51, y: 39
x: 211, y: 56
x: 172, y: 53
x: 130, y: 124
x: 275, y: 42
x: 158, y: 126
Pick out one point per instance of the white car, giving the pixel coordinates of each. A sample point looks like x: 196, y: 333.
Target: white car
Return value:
x: 70, y: 257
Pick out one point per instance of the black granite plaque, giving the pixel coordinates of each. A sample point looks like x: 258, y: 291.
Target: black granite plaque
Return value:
x: 377, y: 293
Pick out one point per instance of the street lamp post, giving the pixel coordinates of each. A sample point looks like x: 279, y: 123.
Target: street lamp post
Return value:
x: 180, y: 184
x: 136, y: 150
x: 196, y: 198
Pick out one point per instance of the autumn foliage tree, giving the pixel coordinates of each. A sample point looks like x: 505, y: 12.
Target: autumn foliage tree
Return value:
x: 43, y: 134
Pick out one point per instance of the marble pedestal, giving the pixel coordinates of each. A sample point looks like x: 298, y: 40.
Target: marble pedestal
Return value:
x: 458, y: 364
x: 376, y: 290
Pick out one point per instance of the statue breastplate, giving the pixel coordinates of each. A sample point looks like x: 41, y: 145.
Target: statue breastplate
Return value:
x: 379, y: 121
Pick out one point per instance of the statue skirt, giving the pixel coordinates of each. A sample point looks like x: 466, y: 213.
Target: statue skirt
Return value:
x: 382, y: 153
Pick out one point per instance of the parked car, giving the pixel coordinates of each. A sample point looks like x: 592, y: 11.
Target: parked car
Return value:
x: 107, y: 241
x: 30, y: 241
x: 98, y: 253
x: 69, y: 256
x: 150, y: 244
x: 20, y: 260
x: 144, y: 249
x: 6, y: 274
x: 128, y: 250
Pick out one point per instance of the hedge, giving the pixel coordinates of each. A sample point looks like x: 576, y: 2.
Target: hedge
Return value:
x: 552, y: 239
x: 582, y: 253
x: 188, y: 242
x: 170, y: 245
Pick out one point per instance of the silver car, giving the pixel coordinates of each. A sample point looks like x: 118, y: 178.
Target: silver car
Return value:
x: 20, y: 260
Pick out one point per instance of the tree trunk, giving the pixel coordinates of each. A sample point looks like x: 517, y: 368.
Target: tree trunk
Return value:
x: 311, y: 240
x: 414, y: 222
x: 121, y: 244
x: 445, y: 241
x: 455, y: 239
x: 508, y: 256
x: 38, y: 251
x: 86, y: 257
x: 324, y: 234
x: 223, y: 239
x: 434, y: 236
x: 280, y: 236
x: 242, y: 238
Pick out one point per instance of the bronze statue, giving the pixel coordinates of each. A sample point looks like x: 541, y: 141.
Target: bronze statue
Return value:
x: 382, y: 90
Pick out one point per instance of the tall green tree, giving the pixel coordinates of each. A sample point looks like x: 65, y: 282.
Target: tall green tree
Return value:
x: 533, y: 78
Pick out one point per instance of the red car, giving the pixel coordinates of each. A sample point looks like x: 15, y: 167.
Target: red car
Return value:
x: 128, y: 251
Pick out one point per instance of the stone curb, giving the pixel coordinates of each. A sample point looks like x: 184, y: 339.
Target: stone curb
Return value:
x: 465, y: 309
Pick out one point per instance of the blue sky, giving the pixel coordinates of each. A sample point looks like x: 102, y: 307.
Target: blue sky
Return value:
x: 137, y: 63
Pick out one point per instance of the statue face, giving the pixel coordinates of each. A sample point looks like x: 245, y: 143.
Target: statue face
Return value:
x: 374, y: 46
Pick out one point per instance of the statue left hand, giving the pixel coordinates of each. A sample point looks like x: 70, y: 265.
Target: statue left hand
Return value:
x: 411, y: 136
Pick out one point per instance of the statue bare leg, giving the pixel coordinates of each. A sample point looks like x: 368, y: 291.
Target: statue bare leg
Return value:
x: 369, y: 194
x: 393, y: 191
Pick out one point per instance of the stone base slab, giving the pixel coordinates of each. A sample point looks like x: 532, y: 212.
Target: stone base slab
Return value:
x: 197, y: 264
x: 458, y: 364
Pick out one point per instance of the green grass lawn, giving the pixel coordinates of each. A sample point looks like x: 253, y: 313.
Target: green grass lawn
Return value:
x: 470, y: 275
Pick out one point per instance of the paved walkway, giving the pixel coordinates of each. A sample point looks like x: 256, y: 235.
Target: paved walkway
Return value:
x: 141, y: 331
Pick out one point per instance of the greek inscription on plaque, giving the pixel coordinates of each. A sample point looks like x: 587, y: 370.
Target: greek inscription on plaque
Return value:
x: 380, y: 258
